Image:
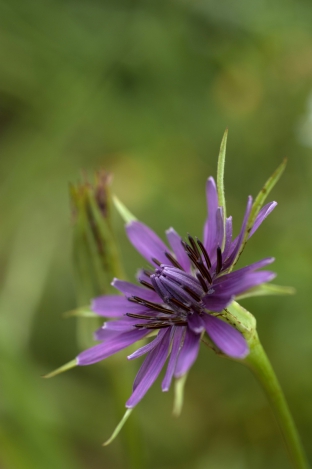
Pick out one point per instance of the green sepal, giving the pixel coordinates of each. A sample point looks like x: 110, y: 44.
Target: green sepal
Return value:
x: 240, y: 318
x: 220, y: 176
x: 258, y: 203
x: 62, y: 369
x: 118, y: 428
x: 267, y: 289
x: 123, y: 211
x: 178, y: 395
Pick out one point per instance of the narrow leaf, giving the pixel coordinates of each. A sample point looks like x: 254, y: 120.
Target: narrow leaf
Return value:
x: 63, y: 368
x: 266, y: 189
x: 220, y: 174
x: 267, y: 289
x: 125, y: 214
x: 119, y: 427
x: 178, y: 395
x: 258, y: 203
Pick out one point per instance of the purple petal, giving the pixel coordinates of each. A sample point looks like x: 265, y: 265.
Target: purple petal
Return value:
x: 129, y: 289
x: 227, y: 339
x: 112, y: 306
x: 183, y: 278
x: 188, y: 353
x: 113, y: 328
x: 238, y: 241
x: 149, y: 370
x: 195, y: 323
x: 228, y: 237
x: 146, y: 242
x: 210, y: 227
x: 264, y: 212
x: 175, y: 243
x: 241, y: 283
x: 148, y: 347
x: 216, y: 303
x: 244, y: 270
x: 219, y: 227
x: 104, y: 350
x: 176, y: 346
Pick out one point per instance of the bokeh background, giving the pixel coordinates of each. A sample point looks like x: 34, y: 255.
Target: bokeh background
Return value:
x: 145, y: 90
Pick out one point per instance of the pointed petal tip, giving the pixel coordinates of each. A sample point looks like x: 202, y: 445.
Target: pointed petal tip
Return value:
x: 271, y: 276
x: 211, y: 181
x: 113, y: 282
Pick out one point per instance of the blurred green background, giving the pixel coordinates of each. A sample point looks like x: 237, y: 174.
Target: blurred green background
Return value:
x: 145, y: 90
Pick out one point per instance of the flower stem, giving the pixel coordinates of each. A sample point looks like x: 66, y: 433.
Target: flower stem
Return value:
x: 260, y: 365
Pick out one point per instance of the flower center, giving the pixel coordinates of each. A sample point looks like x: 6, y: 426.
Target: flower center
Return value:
x: 173, y: 284
x: 180, y: 291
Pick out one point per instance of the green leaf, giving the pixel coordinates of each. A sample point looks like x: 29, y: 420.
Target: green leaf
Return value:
x: 258, y: 203
x: 63, y: 368
x: 178, y: 395
x: 119, y: 427
x: 220, y: 174
x: 266, y: 189
x: 125, y: 214
x: 267, y: 289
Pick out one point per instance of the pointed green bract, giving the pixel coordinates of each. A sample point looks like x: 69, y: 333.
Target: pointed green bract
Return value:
x: 268, y: 186
x: 125, y: 213
x: 220, y: 175
x: 63, y: 368
x: 240, y: 318
x: 119, y: 427
x: 267, y: 289
x: 178, y: 395
x: 258, y: 203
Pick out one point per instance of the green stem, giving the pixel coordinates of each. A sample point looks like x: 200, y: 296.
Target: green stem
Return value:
x: 258, y: 362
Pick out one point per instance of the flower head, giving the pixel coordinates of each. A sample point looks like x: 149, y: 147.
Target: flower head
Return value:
x: 180, y: 297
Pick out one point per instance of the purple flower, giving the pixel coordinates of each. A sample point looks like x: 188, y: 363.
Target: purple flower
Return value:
x: 179, y: 297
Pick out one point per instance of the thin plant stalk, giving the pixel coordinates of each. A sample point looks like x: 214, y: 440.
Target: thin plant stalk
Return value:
x: 261, y: 367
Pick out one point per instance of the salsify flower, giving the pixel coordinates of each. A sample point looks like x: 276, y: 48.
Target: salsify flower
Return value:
x: 180, y: 297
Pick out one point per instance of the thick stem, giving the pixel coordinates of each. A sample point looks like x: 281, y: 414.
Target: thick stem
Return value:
x: 258, y: 362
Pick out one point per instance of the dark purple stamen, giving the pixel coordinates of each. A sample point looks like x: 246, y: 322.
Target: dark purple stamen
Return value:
x: 219, y: 260
x: 161, y: 325
x: 196, y: 258
x: 205, y: 253
x: 192, y: 293
x: 146, y: 284
x: 148, y: 304
x: 180, y: 304
x: 194, y: 246
x: 139, y: 316
x: 173, y: 260
x: 156, y: 261
x: 202, y: 282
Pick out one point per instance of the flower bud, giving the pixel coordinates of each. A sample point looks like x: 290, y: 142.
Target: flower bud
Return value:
x: 95, y: 253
